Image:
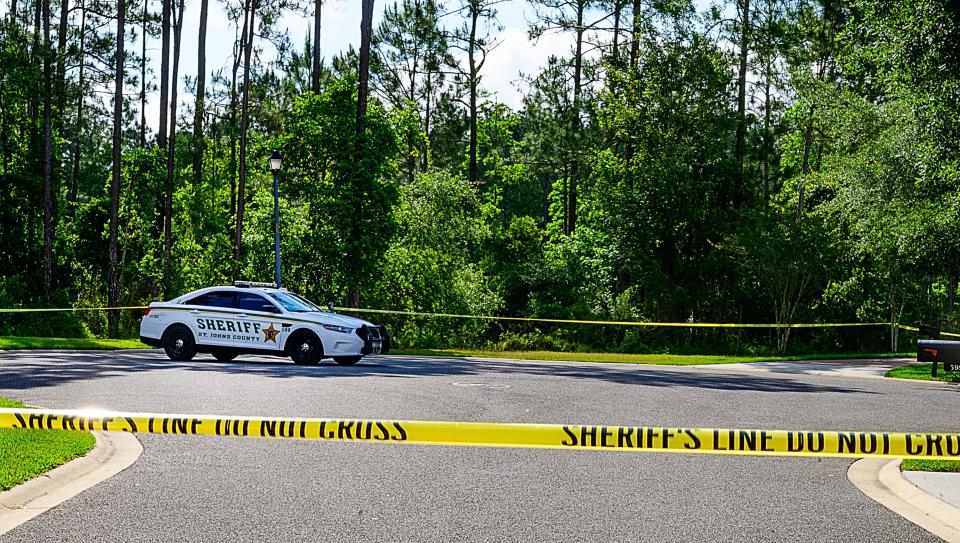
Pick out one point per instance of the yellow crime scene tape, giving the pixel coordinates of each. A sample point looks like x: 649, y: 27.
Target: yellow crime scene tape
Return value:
x: 915, y: 329
x: 935, y: 446
x: 538, y: 319
x: 617, y: 323
x: 55, y: 309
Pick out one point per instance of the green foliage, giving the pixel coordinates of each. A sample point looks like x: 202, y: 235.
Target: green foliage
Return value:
x: 25, y: 454
x: 428, y: 269
x: 923, y: 372
x: 615, y: 192
x: 347, y: 185
x: 912, y: 464
x: 659, y: 216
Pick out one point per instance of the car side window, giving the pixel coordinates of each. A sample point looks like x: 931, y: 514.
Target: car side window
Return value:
x: 213, y: 299
x: 253, y: 302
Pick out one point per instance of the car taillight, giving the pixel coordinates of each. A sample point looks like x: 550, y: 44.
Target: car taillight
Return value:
x: 146, y: 311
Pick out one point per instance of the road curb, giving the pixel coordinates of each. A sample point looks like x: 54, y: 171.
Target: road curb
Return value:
x: 880, y: 479
x: 113, y: 453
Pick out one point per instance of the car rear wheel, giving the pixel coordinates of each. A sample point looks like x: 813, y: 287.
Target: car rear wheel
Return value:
x: 225, y: 356
x: 179, y: 344
x: 304, y: 348
x: 346, y: 360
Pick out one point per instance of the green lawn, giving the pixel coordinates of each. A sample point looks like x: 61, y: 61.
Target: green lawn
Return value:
x: 24, y: 454
x: 663, y: 359
x: 922, y: 371
x: 12, y: 342
x: 930, y: 465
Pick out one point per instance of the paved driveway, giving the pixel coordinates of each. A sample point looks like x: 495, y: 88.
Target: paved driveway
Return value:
x: 196, y: 488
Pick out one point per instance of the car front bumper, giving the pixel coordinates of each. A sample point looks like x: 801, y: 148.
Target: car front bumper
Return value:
x: 376, y: 340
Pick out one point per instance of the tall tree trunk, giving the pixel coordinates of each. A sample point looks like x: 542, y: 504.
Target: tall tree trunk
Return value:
x: 315, y: 73
x: 34, y: 103
x: 765, y: 150
x: 741, y: 135
x: 615, y: 53
x: 615, y: 50
x: 47, y: 164
x: 171, y: 151
x: 164, y: 71
x: 143, y: 76
x: 566, y: 199
x: 244, y: 124
x: 199, y: 141
x: 237, y: 61
x: 635, y: 33
x: 471, y: 54
x: 366, y: 31
x: 575, y: 120
x: 425, y: 163
x: 805, y: 165
x: 411, y: 161
x: 75, y: 177
x: 634, y: 60
x: 951, y: 296
x: 4, y: 131
x: 13, y: 11
x: 61, y: 64
x: 114, y: 283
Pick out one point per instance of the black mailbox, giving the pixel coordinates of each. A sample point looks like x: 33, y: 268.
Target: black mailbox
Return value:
x: 938, y: 350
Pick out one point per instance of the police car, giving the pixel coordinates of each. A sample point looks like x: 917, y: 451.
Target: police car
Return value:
x: 257, y: 318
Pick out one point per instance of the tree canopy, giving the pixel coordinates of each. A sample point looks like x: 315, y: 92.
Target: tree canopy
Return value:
x: 764, y: 161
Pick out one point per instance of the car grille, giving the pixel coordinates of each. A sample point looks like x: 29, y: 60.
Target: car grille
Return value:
x: 371, y: 335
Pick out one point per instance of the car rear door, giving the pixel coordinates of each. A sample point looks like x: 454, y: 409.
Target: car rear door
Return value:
x: 259, y: 321
x: 211, y: 317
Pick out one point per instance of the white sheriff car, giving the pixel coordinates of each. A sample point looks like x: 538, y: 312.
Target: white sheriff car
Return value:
x: 257, y: 318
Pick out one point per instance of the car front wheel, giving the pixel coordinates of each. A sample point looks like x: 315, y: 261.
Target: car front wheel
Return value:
x: 179, y: 344
x: 305, y: 348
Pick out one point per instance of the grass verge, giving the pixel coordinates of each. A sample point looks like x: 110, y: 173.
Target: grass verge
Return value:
x: 922, y: 372
x: 69, y: 343
x: 950, y: 466
x: 619, y: 358
x: 24, y: 454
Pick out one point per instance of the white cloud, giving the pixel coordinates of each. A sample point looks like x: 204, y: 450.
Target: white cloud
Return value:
x: 517, y: 56
x: 501, y: 75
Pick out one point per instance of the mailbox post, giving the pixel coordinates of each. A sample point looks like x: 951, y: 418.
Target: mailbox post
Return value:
x: 938, y: 350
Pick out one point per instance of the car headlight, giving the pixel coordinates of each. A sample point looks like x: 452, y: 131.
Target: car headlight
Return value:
x: 335, y: 328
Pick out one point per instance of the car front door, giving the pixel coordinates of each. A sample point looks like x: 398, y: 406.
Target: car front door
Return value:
x: 259, y: 322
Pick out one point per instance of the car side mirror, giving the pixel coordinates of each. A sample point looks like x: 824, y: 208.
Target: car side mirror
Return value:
x: 269, y: 308
x: 330, y: 306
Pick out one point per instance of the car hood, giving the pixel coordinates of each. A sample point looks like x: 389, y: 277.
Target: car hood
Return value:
x: 324, y: 317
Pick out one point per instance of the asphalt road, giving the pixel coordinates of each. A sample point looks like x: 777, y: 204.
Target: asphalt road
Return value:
x: 197, y: 488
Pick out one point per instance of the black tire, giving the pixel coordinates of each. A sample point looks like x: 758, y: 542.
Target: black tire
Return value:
x: 178, y: 343
x: 225, y: 356
x: 305, y: 348
x: 346, y: 360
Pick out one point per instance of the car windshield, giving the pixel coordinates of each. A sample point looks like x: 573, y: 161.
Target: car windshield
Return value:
x: 293, y: 303
x: 306, y: 302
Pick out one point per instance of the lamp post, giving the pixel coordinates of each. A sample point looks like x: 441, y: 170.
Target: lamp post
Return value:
x: 275, y: 168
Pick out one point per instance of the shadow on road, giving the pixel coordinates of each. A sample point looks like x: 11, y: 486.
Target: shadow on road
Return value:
x: 29, y: 369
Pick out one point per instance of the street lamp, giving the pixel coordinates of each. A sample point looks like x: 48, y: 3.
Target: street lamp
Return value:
x: 275, y: 168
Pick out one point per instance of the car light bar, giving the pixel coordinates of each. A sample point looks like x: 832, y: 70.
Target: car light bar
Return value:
x: 253, y: 284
